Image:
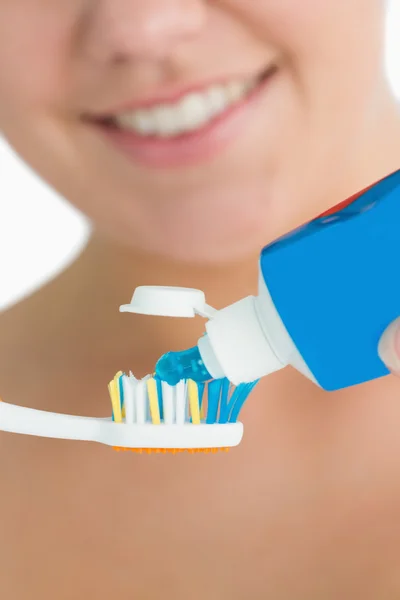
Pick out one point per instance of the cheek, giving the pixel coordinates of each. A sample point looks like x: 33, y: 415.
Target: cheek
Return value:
x: 309, y: 27
x: 283, y: 22
x: 34, y: 38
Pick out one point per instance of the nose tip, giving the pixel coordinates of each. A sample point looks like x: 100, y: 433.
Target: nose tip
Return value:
x: 147, y: 29
x: 173, y: 23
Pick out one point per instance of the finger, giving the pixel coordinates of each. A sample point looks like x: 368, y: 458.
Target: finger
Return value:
x: 389, y: 347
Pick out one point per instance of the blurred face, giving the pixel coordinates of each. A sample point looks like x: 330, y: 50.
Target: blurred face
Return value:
x: 192, y: 128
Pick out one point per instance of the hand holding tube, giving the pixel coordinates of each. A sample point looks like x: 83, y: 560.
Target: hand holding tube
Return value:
x: 389, y: 347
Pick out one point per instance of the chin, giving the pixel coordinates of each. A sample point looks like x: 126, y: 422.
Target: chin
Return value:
x: 202, y: 248
x: 206, y: 226
x: 227, y: 230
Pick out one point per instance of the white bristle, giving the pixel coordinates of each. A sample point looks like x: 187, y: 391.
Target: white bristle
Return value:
x: 168, y: 403
x: 181, y: 402
x: 129, y: 389
x: 141, y: 402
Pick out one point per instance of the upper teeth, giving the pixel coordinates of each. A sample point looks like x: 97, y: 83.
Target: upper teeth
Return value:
x: 192, y: 112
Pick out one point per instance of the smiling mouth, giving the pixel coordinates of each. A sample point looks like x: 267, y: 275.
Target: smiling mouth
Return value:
x: 189, y: 114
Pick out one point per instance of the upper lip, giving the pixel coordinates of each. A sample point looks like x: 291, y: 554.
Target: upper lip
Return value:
x: 173, y: 95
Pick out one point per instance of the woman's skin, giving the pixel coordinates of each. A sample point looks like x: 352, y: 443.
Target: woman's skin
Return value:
x: 307, y: 508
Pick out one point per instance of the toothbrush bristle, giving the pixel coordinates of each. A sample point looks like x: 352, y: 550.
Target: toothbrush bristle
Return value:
x: 170, y: 450
x: 150, y: 401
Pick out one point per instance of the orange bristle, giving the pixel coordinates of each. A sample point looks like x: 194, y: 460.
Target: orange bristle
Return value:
x: 171, y: 450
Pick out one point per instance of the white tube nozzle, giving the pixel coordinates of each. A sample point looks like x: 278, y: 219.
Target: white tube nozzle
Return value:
x: 236, y: 346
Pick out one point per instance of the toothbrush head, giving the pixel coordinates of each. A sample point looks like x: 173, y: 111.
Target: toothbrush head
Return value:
x: 189, y: 416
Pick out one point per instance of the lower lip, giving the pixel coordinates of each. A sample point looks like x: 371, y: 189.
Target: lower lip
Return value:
x: 188, y: 149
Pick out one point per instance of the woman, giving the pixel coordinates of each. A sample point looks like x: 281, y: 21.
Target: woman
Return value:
x: 193, y: 133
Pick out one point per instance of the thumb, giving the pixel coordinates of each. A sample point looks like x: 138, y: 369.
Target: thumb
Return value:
x: 389, y: 347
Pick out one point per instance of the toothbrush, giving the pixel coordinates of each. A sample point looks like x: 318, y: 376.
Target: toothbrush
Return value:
x: 148, y: 415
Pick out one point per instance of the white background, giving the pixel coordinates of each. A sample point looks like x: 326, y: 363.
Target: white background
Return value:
x: 40, y: 233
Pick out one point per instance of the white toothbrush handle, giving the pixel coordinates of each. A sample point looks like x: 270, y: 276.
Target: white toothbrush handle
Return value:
x: 29, y: 421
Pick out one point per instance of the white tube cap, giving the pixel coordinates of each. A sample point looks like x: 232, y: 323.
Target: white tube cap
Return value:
x: 168, y: 302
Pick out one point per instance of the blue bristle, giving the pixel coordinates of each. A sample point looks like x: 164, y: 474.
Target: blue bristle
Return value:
x: 238, y: 399
x: 242, y: 392
x: 121, y: 391
x: 160, y: 396
x: 236, y: 394
x: 214, y: 392
x: 223, y: 411
x: 226, y: 406
x: 201, y: 387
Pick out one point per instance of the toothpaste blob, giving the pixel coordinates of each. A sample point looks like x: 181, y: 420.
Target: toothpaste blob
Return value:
x: 174, y: 366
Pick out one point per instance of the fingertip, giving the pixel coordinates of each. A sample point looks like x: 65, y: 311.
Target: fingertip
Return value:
x: 389, y: 347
